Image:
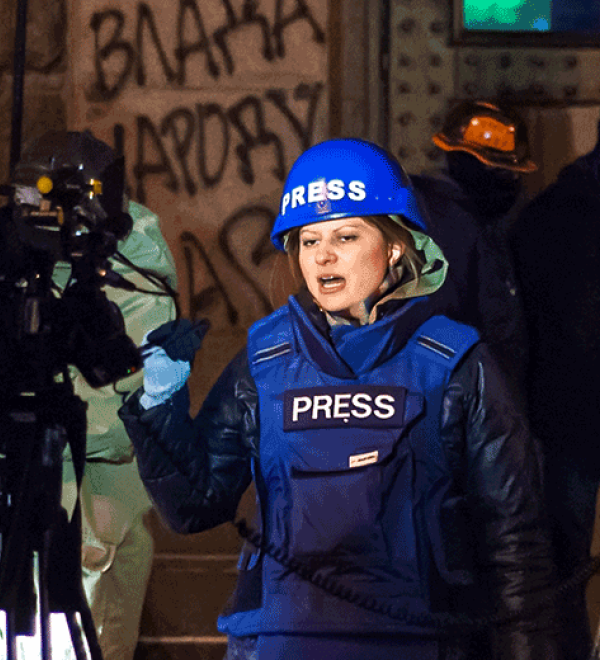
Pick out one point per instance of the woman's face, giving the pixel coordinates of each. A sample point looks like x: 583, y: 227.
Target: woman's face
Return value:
x: 344, y: 261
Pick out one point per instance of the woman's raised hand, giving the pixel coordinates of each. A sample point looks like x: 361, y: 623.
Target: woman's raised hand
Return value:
x: 168, y: 353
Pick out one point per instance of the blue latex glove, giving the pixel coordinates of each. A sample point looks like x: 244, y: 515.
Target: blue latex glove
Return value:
x: 162, y: 377
x: 168, y: 352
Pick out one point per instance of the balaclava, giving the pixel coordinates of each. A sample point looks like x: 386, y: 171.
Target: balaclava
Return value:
x: 493, y: 190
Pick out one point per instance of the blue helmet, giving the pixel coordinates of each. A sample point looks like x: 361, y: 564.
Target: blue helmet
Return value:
x: 344, y: 178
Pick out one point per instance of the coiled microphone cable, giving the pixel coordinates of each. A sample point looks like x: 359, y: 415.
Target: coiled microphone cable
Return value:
x: 441, y: 621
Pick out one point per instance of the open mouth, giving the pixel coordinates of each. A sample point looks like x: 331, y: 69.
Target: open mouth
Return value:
x: 331, y: 283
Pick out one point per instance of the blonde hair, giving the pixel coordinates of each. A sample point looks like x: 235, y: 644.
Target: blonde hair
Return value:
x: 392, y: 232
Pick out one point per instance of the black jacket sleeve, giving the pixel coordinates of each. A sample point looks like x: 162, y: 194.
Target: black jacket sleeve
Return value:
x: 196, y: 471
x: 501, y: 460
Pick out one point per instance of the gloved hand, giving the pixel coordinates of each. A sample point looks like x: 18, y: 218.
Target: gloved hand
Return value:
x: 167, y: 353
x: 180, y: 339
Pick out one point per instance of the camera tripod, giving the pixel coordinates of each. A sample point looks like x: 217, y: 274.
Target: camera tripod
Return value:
x: 38, y: 542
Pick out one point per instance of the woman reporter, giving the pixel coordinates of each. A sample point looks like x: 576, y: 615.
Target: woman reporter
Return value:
x: 388, y: 455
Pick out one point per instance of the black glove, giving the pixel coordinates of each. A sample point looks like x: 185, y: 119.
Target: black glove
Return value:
x: 179, y: 339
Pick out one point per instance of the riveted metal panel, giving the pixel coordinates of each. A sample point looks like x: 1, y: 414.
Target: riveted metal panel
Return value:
x: 422, y: 73
x: 428, y: 74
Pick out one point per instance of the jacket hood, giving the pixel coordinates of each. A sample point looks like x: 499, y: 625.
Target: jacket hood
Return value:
x: 435, y: 266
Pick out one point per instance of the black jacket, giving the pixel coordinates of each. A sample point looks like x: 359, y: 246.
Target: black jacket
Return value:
x: 556, y: 243
x: 480, y: 289
x: 197, y: 470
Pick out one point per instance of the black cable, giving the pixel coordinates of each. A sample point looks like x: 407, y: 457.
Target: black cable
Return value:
x: 152, y: 276
x: 446, y: 621
x: 160, y: 281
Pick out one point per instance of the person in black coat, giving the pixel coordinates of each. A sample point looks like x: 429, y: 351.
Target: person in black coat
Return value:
x: 556, y: 244
x: 468, y: 206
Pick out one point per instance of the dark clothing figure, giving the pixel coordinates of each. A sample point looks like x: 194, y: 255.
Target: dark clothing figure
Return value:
x: 556, y: 244
x: 480, y: 289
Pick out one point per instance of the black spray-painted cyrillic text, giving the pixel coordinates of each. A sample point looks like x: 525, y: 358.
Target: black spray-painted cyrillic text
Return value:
x: 200, y: 302
x: 110, y: 43
x: 182, y: 126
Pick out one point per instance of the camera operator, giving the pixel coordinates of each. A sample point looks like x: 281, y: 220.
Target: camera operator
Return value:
x: 117, y: 547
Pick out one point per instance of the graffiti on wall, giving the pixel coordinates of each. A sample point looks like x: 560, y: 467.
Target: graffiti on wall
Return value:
x: 173, y: 58
x: 182, y: 132
x: 192, y: 147
x: 182, y: 163
x: 200, y: 301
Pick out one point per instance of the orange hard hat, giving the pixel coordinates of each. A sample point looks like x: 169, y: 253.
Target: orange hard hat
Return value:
x: 494, y: 135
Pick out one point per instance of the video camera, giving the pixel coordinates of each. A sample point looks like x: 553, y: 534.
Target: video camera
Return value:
x: 65, y: 207
x: 60, y: 228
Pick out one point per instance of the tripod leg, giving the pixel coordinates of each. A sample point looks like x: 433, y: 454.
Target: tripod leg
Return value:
x: 36, y: 431
x: 65, y: 538
x: 11, y: 638
x: 44, y: 607
x: 77, y: 639
x: 89, y: 629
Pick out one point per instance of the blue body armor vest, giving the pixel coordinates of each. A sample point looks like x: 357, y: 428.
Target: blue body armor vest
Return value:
x: 357, y: 485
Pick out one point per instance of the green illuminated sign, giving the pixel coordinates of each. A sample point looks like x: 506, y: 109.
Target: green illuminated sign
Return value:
x: 507, y: 15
